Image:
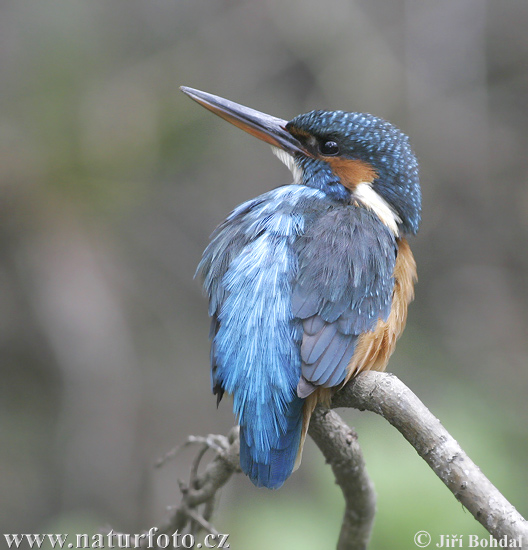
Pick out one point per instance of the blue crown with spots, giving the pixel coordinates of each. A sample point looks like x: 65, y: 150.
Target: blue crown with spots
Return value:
x: 382, y: 145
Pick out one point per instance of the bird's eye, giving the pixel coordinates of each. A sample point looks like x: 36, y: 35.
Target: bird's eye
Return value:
x: 329, y: 148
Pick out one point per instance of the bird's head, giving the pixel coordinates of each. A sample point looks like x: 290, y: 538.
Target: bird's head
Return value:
x: 352, y: 157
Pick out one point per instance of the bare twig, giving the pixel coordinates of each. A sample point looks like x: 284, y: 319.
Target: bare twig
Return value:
x: 198, y: 497
x: 212, y: 441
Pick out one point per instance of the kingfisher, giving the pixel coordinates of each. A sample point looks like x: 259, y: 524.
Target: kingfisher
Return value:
x: 308, y: 284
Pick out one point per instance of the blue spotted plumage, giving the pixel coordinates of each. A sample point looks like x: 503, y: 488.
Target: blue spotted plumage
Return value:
x: 308, y: 283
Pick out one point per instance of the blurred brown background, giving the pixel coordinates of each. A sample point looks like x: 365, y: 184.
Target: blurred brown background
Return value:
x: 111, y: 181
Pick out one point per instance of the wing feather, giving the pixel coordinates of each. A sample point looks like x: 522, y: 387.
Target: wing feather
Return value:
x: 344, y: 286
x: 314, y: 346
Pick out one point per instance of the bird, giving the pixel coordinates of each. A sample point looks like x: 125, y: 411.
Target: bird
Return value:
x: 309, y: 283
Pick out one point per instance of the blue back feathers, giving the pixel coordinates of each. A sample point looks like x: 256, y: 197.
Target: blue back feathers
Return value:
x: 293, y: 277
x: 344, y: 286
x: 248, y: 271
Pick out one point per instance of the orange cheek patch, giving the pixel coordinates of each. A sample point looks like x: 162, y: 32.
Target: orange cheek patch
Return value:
x: 352, y: 172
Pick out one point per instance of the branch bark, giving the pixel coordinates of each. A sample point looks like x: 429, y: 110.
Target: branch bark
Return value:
x: 340, y: 447
x: 389, y: 397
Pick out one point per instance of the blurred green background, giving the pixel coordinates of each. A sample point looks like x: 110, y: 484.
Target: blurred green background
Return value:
x: 111, y: 181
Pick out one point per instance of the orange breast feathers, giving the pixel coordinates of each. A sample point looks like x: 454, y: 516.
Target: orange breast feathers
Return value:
x: 374, y: 348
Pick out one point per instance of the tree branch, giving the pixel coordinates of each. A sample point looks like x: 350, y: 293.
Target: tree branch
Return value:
x: 389, y: 397
x: 339, y: 446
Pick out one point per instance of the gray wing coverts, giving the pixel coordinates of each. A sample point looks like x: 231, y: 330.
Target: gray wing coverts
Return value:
x: 344, y: 286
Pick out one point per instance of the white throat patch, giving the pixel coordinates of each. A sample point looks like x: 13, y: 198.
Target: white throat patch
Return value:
x: 289, y: 161
x: 375, y: 202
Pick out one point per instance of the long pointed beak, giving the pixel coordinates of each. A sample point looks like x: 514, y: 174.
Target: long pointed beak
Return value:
x: 268, y: 128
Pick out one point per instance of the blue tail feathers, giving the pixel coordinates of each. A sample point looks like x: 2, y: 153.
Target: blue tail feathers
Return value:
x: 270, y: 467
